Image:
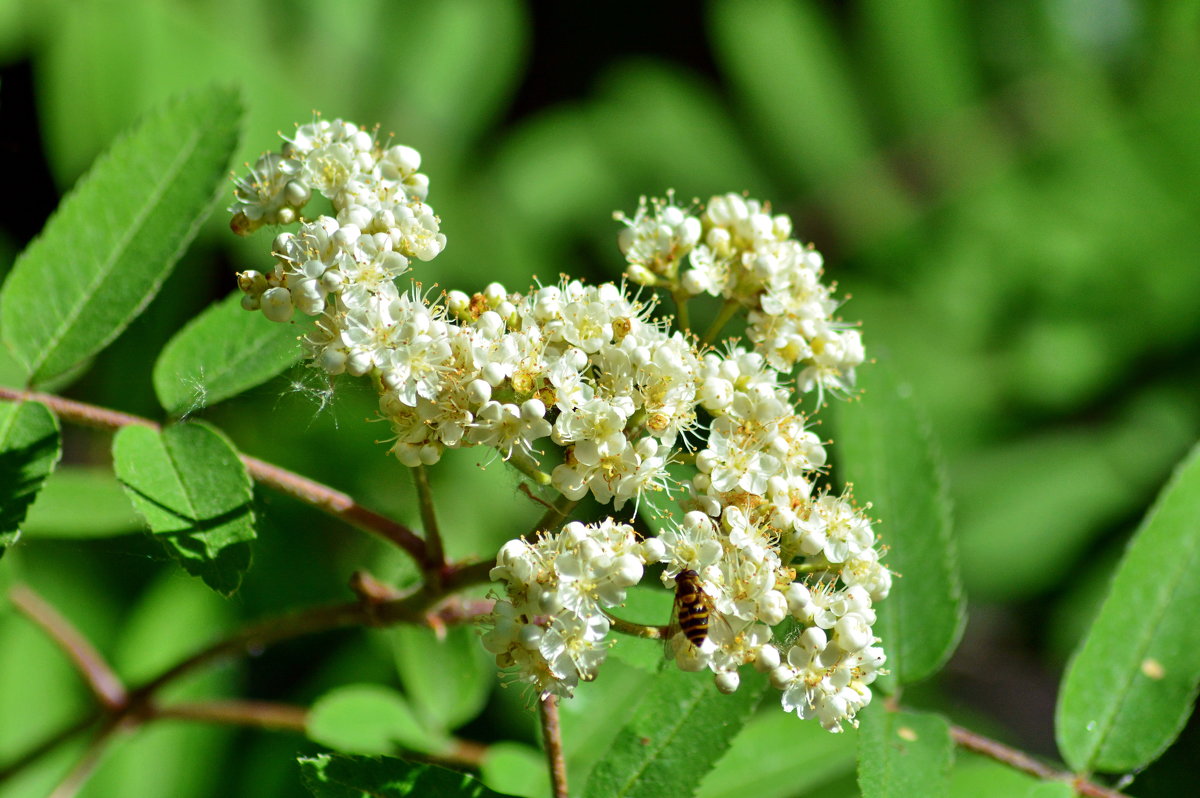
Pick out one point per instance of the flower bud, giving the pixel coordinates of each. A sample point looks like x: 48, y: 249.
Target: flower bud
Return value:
x: 728, y: 681
x: 277, y: 304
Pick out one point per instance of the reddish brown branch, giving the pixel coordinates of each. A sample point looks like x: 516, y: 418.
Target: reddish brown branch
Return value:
x: 552, y: 740
x: 102, y: 680
x: 257, y: 714
x: 1027, y: 764
x: 333, y: 502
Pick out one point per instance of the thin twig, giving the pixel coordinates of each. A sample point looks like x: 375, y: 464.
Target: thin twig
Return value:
x: 435, y: 555
x: 1027, y: 764
x: 723, y: 316
x: 552, y: 740
x: 46, y: 746
x: 102, y: 680
x: 420, y: 607
x: 337, y: 504
x: 258, y: 714
x: 635, y: 629
x: 554, y: 517
x: 324, y: 498
x: 73, y: 782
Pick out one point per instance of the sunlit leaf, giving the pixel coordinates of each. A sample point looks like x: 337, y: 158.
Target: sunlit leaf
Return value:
x: 328, y: 776
x: 29, y: 448
x: 106, y: 251
x: 193, y: 492
x: 1130, y: 686
x: 902, y: 754
x: 884, y: 448
x: 222, y: 352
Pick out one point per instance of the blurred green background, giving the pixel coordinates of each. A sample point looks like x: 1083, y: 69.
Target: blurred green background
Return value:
x: 1008, y: 191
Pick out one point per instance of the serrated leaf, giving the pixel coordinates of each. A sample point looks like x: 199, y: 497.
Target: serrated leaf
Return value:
x: 222, y: 352
x: 447, y: 680
x: 368, y: 719
x: 329, y: 776
x: 29, y: 449
x: 884, y: 448
x: 81, y: 503
x: 192, y: 490
x: 106, y: 251
x: 902, y: 754
x: 678, y: 731
x: 1130, y: 686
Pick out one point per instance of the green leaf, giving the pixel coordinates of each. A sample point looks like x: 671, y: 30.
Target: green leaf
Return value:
x: 222, y: 352
x: 1130, y: 686
x: 448, y: 680
x: 803, y: 757
x: 595, y: 716
x: 81, y: 503
x: 885, y: 449
x: 29, y: 448
x: 902, y: 754
x: 328, y: 776
x: 516, y: 768
x: 192, y: 490
x: 106, y: 251
x: 678, y: 731
x: 368, y: 719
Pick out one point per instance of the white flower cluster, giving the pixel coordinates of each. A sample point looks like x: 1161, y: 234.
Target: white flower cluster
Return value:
x: 550, y: 628
x: 381, y: 223
x: 737, y: 250
x: 582, y: 381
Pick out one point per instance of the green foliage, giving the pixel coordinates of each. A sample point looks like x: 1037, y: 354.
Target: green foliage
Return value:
x: 673, y: 737
x: 447, y: 677
x: 803, y: 758
x: 29, y: 449
x: 884, y: 450
x: 81, y: 503
x: 191, y: 489
x: 1131, y: 684
x: 328, y: 776
x: 1007, y: 190
x: 369, y: 719
x: 104, y: 254
x: 221, y: 353
x: 903, y: 754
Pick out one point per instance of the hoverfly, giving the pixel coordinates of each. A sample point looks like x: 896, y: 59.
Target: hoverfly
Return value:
x: 691, y: 613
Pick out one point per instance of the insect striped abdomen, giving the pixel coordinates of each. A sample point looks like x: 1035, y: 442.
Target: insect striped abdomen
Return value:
x: 692, y: 607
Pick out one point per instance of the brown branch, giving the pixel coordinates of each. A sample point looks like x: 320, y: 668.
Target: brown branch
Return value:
x: 328, y: 500
x: 257, y: 714
x: 102, y: 680
x: 552, y: 740
x: 1025, y: 763
x: 422, y: 607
